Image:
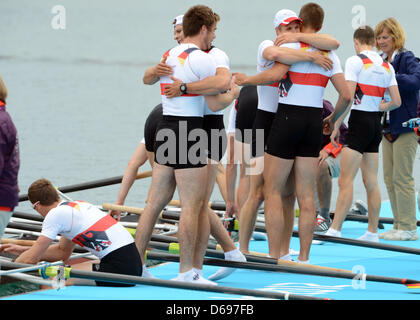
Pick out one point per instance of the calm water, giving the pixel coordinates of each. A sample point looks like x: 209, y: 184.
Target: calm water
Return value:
x: 76, y: 95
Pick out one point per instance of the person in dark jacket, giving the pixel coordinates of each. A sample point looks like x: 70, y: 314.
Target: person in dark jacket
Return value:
x: 399, y: 144
x: 9, y: 162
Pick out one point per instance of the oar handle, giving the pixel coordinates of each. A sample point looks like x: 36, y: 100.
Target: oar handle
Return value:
x: 117, y: 207
x: 18, y: 242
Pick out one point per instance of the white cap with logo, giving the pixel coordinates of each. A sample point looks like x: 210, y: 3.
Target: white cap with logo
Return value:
x: 284, y: 17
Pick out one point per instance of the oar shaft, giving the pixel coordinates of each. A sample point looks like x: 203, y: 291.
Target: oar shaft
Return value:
x: 94, y: 184
x: 270, y: 264
x: 353, y: 242
x: 126, y: 279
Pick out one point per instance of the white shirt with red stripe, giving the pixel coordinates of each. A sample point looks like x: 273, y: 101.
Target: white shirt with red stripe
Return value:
x: 309, y: 79
x: 373, y: 76
x: 87, y: 226
x: 268, y: 95
x: 222, y: 61
x: 195, y: 66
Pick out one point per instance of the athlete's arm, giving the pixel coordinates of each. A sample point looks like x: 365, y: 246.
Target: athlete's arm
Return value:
x: 213, y: 85
x: 395, y: 100
x: 222, y: 100
x: 317, y: 40
x: 152, y: 74
x: 291, y: 56
x: 41, y: 250
x: 137, y: 160
x: 268, y: 76
x: 345, y: 92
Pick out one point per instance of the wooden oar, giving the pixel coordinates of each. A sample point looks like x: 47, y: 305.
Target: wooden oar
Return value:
x: 290, y: 268
x: 94, y: 184
x: 28, y: 243
x: 215, y: 205
x: 127, y: 279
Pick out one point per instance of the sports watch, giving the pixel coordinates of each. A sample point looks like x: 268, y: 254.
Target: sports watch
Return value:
x: 183, y: 88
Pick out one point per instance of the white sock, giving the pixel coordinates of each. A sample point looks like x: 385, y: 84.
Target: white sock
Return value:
x: 303, y: 262
x: 332, y: 232
x: 234, y: 255
x: 286, y: 257
x: 369, y: 236
x: 145, y: 273
x: 198, y: 271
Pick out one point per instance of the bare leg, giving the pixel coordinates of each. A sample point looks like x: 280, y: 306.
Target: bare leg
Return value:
x: 249, y: 210
x: 161, y: 192
x: 276, y: 174
x: 350, y: 163
x: 324, y: 187
x: 369, y: 167
x: 288, y: 200
x: 305, y: 173
x: 191, y: 207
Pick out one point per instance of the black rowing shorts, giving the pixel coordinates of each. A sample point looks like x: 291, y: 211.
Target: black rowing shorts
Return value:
x: 150, y: 127
x: 181, y: 142
x: 261, y: 130
x: 217, y: 138
x: 246, y: 109
x: 365, y: 131
x: 125, y: 260
x: 296, y: 132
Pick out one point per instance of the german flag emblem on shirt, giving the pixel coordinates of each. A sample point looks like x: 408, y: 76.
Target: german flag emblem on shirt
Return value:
x: 184, y: 55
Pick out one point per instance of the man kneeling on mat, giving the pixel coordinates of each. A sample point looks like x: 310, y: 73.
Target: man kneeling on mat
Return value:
x: 80, y: 223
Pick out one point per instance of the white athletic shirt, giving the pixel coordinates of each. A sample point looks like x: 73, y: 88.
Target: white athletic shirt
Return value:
x: 373, y: 77
x: 309, y: 79
x: 87, y: 226
x: 222, y: 61
x: 188, y: 67
x: 268, y: 95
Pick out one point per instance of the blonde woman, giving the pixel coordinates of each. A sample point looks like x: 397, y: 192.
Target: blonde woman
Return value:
x: 399, y: 144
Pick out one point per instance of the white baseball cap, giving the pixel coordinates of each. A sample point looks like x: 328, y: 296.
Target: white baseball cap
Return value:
x: 284, y: 17
x: 178, y: 20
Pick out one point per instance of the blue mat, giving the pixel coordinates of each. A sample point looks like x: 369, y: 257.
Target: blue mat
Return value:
x: 371, y: 261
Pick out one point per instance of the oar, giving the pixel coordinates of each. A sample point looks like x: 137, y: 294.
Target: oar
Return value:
x: 94, y: 184
x: 215, y: 205
x: 29, y: 216
x: 296, y: 268
x: 20, y: 242
x: 361, y: 218
x: 261, y: 228
x: 127, y: 279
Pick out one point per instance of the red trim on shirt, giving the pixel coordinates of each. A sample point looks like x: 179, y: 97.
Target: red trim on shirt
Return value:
x: 7, y: 209
x: 309, y: 79
x: 275, y: 84
x: 373, y: 91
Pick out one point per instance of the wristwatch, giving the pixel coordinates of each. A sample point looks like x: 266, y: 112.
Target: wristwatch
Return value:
x: 183, y: 88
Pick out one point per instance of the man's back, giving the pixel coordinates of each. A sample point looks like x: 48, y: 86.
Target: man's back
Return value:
x: 307, y: 80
